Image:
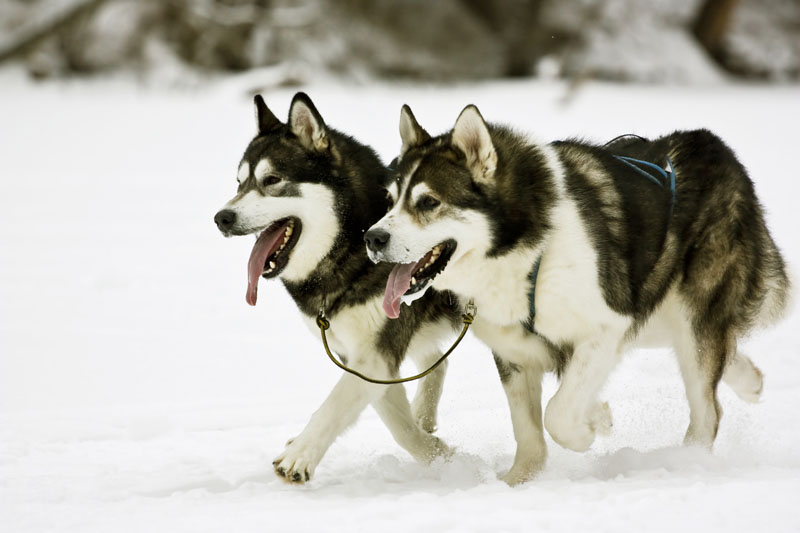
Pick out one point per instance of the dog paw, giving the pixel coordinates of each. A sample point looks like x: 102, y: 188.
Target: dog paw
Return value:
x: 291, y: 475
x: 439, y: 449
x: 517, y: 476
x: 424, y: 414
x: 429, y: 448
x: 524, y: 469
x: 297, y: 463
x: 600, y: 419
x: 571, y: 431
x: 426, y: 422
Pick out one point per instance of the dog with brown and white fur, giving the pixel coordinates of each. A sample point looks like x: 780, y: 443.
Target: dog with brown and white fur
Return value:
x: 573, y: 253
x: 308, y: 193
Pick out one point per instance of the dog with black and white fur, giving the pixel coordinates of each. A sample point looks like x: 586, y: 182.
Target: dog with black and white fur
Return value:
x: 572, y: 256
x: 308, y: 193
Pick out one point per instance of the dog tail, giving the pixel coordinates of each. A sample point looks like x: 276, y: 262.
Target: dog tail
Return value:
x: 780, y: 297
x: 741, y: 374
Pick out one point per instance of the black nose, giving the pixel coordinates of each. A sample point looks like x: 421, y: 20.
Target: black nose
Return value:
x: 225, y: 219
x: 376, y: 239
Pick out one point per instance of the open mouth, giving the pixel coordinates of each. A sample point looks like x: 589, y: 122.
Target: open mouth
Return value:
x: 270, y: 254
x: 408, y: 282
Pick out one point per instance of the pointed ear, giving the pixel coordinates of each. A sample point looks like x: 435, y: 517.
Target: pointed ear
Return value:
x: 264, y: 118
x: 471, y: 136
x: 411, y: 133
x: 307, y: 124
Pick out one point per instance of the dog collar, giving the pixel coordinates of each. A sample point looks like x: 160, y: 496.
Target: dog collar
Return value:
x: 323, y: 324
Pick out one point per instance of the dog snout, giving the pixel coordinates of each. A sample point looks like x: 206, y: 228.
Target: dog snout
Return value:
x: 225, y: 220
x: 376, y: 239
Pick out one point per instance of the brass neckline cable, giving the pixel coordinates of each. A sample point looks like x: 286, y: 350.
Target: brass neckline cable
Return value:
x: 324, y: 324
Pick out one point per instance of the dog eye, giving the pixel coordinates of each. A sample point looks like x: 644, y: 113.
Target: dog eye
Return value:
x: 270, y: 180
x: 426, y: 203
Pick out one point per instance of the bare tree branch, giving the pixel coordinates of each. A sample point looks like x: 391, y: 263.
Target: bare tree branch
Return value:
x: 51, y: 25
x: 712, y: 23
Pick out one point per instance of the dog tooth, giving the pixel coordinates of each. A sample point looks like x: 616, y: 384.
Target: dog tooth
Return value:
x: 272, y: 264
x: 413, y: 280
x: 288, y: 231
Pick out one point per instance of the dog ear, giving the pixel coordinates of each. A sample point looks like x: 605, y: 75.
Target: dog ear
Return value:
x: 471, y: 136
x: 264, y: 118
x: 307, y: 124
x: 411, y: 133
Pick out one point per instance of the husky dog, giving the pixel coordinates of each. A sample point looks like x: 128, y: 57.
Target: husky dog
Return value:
x: 573, y: 252
x: 309, y: 192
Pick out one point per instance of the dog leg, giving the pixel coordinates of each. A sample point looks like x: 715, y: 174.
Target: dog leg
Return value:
x: 523, y: 388
x: 340, y: 409
x: 701, y: 366
x: 574, y: 415
x: 429, y: 390
x: 394, y: 410
x: 599, y: 418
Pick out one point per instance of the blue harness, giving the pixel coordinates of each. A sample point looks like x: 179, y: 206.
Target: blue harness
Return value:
x: 644, y: 168
x: 662, y: 178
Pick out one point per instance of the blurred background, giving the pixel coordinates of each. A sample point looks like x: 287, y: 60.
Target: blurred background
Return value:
x: 139, y: 392
x: 292, y: 42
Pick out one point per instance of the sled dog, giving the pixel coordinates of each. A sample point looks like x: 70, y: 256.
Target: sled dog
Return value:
x: 308, y: 193
x: 573, y: 252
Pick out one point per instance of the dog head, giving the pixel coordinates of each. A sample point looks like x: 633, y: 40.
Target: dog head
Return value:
x: 451, y: 203
x: 285, y: 196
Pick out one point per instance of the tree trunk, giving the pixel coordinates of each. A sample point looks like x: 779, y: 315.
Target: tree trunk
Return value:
x: 33, y: 36
x: 711, y: 25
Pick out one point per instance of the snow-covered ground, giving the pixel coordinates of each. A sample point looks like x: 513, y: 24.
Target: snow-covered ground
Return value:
x: 138, y: 391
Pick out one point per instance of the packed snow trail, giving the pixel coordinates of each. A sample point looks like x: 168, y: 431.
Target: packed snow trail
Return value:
x: 139, y: 393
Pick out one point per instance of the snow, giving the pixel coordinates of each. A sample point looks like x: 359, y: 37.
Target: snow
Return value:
x: 138, y: 391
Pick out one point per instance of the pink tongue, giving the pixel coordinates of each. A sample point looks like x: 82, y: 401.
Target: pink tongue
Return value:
x: 398, y: 283
x: 267, y: 243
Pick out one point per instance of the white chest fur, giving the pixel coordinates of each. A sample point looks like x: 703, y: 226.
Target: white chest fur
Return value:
x: 354, y: 329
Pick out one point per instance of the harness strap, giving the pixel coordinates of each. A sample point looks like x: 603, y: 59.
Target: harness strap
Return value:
x: 532, y: 295
x: 667, y: 180
x: 671, y: 173
x: 667, y: 176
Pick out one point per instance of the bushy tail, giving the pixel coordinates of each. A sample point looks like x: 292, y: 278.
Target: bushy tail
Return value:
x: 779, y: 300
x: 741, y: 374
